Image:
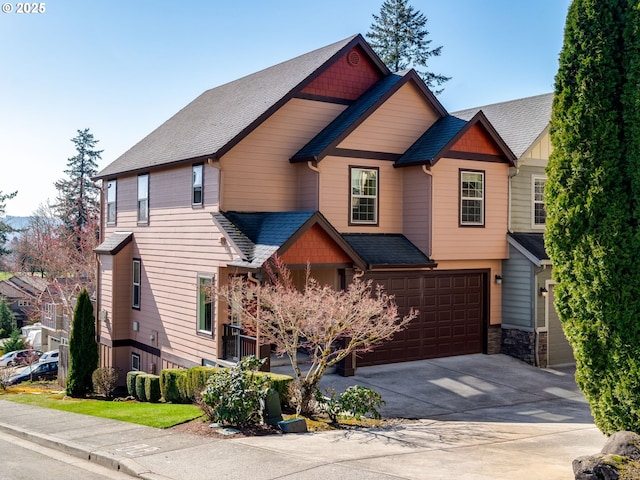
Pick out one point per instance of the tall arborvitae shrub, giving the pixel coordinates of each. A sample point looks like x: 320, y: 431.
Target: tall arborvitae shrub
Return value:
x: 83, y: 348
x: 593, y: 205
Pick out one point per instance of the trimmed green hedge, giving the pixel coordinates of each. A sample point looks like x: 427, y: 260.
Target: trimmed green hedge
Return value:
x: 173, y: 385
x: 197, y: 379
x: 152, y: 388
x: 131, y: 382
x: 141, y: 391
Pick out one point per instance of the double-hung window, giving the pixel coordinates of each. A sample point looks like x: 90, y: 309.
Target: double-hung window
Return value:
x: 364, y: 195
x: 135, y: 362
x: 539, y: 213
x: 205, y: 304
x: 196, y: 192
x: 143, y: 198
x: 111, y: 202
x: 471, y: 198
x: 135, y: 294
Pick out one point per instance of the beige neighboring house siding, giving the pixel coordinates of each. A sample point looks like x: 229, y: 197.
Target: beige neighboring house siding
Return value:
x: 495, y: 290
x: 396, y: 125
x: 454, y: 242
x: 262, y: 158
x: 335, y: 194
x: 531, y: 165
x: 179, y: 243
x: 417, y: 207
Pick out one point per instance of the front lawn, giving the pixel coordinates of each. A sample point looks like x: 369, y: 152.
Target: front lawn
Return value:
x: 158, y: 415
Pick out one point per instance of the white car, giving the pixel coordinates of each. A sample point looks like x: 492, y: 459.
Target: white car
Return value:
x: 50, y: 355
x: 19, y: 357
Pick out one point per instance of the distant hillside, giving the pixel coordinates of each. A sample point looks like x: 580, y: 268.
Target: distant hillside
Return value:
x: 17, y: 223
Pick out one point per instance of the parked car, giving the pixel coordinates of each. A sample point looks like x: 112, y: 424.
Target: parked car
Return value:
x: 47, y: 370
x: 20, y: 357
x: 49, y: 355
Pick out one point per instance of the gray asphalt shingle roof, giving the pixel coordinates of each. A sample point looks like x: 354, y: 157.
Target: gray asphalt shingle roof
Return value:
x: 213, y: 120
x: 519, y: 122
x: 260, y: 234
x: 533, y: 243
x: 385, y: 249
x: 432, y: 141
x: 116, y: 242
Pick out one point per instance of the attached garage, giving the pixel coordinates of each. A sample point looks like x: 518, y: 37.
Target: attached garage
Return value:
x: 452, y: 319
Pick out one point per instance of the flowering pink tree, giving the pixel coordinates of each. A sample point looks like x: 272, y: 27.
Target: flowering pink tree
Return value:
x: 329, y: 324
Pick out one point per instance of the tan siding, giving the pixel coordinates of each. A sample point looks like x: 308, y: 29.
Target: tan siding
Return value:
x: 257, y: 174
x: 307, y: 188
x: 396, y: 125
x: 495, y: 291
x: 522, y: 199
x: 452, y: 242
x: 539, y: 150
x: 106, y: 295
x: 334, y: 194
x: 417, y: 207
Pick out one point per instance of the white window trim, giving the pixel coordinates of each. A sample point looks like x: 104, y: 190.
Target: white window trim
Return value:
x: 478, y: 199
x: 537, y: 226
x: 211, y: 278
x: 135, y: 358
x: 376, y: 197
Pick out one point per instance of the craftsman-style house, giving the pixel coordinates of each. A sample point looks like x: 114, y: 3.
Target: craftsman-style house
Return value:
x: 530, y: 324
x: 328, y: 159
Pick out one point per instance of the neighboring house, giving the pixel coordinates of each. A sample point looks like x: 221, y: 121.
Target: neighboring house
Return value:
x: 22, y: 293
x: 328, y: 159
x: 531, y: 327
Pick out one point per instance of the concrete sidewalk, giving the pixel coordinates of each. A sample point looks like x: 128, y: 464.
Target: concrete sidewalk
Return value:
x: 474, y: 417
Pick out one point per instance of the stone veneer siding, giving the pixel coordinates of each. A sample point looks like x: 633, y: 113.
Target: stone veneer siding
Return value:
x: 521, y: 344
x: 494, y: 340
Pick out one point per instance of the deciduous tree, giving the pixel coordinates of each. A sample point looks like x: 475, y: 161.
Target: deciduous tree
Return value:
x: 329, y: 324
x: 593, y: 205
x: 399, y: 37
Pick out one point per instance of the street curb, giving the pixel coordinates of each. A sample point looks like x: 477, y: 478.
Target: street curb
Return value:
x: 124, y: 465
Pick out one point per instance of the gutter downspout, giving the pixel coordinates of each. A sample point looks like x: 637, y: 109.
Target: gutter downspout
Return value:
x: 256, y: 282
x: 515, y: 172
x: 427, y: 170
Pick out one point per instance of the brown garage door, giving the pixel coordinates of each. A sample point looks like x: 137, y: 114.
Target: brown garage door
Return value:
x: 451, y: 316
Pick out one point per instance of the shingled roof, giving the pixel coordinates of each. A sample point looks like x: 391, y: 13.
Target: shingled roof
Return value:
x: 519, y: 122
x: 216, y: 120
x: 359, y: 111
x: 530, y: 245
x: 259, y: 235
x: 387, y: 250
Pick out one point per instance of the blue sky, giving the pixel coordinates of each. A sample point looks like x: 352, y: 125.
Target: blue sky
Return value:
x: 121, y: 68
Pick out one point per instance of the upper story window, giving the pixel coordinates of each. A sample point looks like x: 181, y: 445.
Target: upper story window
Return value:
x: 196, y: 192
x: 539, y: 213
x: 471, y: 198
x: 205, y: 304
x: 135, y: 294
x: 143, y: 198
x: 364, y: 196
x: 111, y: 201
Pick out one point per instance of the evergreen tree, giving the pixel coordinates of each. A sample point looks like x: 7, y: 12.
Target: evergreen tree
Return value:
x: 83, y: 348
x: 593, y: 205
x: 7, y: 321
x: 5, y: 228
x: 399, y: 37
x: 78, y: 201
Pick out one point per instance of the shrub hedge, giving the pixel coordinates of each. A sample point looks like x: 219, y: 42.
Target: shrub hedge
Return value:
x: 131, y: 382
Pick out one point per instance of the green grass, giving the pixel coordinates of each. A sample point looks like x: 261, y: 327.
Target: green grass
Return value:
x: 158, y: 415
x: 5, y: 275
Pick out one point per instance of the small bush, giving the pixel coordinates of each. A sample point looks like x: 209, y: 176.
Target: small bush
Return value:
x: 234, y: 394
x: 356, y: 401
x: 152, y: 388
x: 172, y: 385
x: 105, y: 380
x: 131, y: 382
x: 141, y: 391
x: 196, y: 380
